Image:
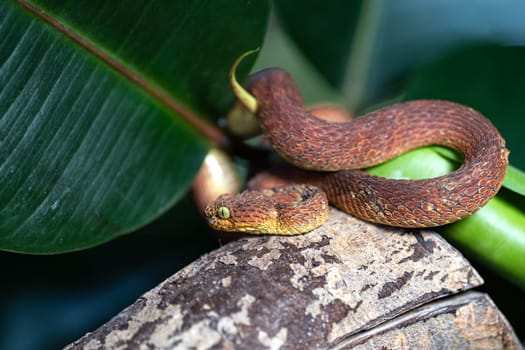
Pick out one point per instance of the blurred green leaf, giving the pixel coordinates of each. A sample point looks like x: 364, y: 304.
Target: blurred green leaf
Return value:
x: 420, y: 163
x: 365, y: 47
x: 324, y: 31
x: 495, y: 234
x: 515, y: 180
x: 87, y: 152
x: 279, y: 51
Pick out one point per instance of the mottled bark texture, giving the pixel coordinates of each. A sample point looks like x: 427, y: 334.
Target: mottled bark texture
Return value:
x: 347, y: 284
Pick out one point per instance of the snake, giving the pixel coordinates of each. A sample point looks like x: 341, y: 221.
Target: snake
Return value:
x: 333, y: 156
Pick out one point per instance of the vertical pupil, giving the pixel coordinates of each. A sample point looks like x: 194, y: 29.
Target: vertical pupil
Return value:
x: 223, y: 212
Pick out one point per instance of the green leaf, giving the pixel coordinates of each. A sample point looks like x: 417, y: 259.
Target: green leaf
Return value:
x: 100, y: 107
x: 420, y: 163
x: 279, y: 51
x: 495, y: 234
x: 364, y: 48
x: 515, y: 180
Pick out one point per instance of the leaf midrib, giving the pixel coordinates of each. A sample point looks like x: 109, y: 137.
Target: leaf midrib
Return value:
x: 206, y: 129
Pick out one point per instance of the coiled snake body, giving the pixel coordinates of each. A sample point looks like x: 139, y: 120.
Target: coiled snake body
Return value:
x: 331, y: 150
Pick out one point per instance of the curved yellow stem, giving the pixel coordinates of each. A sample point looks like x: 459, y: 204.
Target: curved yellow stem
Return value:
x: 242, y: 95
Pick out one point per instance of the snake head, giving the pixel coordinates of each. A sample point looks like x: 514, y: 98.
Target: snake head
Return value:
x: 286, y: 210
x: 250, y: 212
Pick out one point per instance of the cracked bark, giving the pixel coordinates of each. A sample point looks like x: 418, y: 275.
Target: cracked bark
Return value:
x: 348, y: 284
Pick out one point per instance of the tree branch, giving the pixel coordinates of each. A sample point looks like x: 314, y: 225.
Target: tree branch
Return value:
x: 348, y: 283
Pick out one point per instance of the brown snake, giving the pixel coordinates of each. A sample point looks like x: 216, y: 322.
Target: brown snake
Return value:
x: 331, y: 150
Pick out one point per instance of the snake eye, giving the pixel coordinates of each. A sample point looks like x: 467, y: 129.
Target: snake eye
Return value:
x: 223, y: 212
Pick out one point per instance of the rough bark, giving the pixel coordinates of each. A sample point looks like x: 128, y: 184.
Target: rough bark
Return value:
x: 467, y: 321
x: 346, y: 284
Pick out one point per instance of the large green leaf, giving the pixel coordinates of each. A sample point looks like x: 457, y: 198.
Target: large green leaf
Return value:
x: 99, y: 111
x: 365, y: 47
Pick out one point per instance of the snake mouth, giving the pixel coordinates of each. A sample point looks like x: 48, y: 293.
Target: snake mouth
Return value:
x: 210, y: 219
x: 214, y: 224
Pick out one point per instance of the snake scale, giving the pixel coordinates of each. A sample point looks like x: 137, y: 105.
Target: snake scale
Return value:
x: 334, y: 152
